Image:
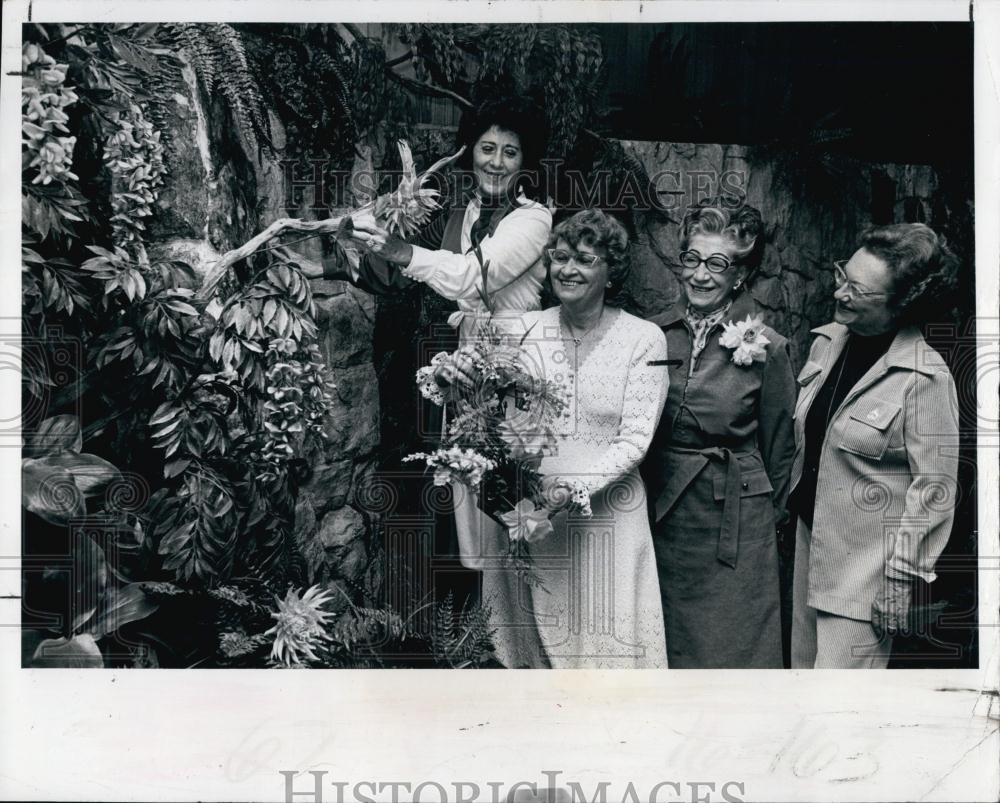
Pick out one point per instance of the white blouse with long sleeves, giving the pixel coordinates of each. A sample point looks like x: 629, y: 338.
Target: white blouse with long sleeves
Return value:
x: 514, y: 253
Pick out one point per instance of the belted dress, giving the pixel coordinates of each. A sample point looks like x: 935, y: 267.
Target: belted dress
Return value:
x: 717, y: 477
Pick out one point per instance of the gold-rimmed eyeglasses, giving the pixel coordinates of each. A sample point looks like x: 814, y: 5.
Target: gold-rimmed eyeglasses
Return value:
x: 853, y: 288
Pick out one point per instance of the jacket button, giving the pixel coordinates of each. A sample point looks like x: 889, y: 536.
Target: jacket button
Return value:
x: 746, y: 486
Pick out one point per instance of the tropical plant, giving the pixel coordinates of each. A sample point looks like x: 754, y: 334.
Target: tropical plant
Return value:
x: 71, y: 505
x: 221, y: 407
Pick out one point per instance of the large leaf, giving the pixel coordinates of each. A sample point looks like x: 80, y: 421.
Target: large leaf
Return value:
x: 91, y: 473
x: 59, y: 433
x: 89, y: 581
x: 79, y: 652
x: 123, y: 605
x: 49, y: 491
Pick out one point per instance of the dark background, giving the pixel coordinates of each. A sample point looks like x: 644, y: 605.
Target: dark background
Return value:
x: 899, y: 92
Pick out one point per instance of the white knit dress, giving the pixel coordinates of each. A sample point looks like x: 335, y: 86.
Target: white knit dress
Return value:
x: 598, y: 605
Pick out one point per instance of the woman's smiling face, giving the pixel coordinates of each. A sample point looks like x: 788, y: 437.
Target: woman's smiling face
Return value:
x: 496, y: 159
x: 707, y: 291
x: 574, y: 282
x: 864, y: 310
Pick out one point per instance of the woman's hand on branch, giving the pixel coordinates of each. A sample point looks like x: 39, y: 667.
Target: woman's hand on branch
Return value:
x: 369, y: 235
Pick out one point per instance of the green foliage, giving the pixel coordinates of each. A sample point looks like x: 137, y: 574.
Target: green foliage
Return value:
x: 461, y: 639
x: 56, y: 478
x: 59, y: 486
x: 560, y: 65
x: 227, y: 425
x: 218, y: 54
x: 307, y: 79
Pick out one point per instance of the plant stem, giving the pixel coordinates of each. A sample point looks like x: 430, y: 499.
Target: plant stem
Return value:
x: 70, y: 35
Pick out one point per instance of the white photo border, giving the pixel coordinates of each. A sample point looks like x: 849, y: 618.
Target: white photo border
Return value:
x: 792, y: 735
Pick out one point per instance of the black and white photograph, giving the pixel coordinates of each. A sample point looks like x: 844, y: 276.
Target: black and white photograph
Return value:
x: 501, y: 336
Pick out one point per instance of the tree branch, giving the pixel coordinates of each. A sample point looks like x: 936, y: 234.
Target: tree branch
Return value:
x: 399, y: 59
x: 230, y: 258
x: 329, y: 226
x: 354, y: 30
x: 428, y: 89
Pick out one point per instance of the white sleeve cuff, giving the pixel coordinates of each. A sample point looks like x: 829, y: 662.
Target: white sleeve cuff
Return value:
x: 423, y: 264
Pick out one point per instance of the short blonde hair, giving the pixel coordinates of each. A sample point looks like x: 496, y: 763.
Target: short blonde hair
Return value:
x: 598, y: 229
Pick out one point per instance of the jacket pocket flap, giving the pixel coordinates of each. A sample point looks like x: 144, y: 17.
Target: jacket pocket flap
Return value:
x: 809, y: 372
x: 751, y: 484
x: 874, y: 412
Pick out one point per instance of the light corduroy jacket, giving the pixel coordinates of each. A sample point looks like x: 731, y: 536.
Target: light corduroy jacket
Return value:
x: 887, y: 482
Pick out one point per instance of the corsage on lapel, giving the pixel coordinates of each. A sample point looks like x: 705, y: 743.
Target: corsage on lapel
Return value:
x: 747, y: 340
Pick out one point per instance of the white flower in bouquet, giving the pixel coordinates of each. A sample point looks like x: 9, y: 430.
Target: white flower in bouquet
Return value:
x: 747, y: 340
x: 428, y: 387
x: 455, y: 464
x: 526, y: 522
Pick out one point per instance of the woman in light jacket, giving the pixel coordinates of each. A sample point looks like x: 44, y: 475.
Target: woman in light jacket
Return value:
x: 876, y: 457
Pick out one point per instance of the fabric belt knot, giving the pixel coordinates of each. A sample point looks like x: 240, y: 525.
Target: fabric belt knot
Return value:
x: 729, y: 533
x: 687, y: 470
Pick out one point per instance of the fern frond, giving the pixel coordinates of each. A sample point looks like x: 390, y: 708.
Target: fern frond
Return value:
x: 330, y: 67
x: 240, y: 88
x: 371, y: 627
x: 194, y: 41
x: 217, y: 53
x: 461, y: 641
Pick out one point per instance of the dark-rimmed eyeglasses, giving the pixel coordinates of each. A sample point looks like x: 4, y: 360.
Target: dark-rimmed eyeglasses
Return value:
x: 557, y: 256
x: 854, y: 289
x: 716, y: 263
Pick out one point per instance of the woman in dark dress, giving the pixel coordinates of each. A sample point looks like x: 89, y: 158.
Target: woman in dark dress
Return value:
x: 498, y: 220
x: 718, y: 468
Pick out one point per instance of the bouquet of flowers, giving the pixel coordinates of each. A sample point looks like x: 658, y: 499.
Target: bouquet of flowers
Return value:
x: 500, y: 428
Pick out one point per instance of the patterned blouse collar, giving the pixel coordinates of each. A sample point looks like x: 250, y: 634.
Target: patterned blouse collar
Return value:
x: 701, y: 324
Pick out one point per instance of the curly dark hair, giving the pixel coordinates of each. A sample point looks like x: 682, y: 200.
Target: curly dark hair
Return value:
x: 603, y: 233
x: 742, y: 226
x: 924, y: 270
x: 519, y: 115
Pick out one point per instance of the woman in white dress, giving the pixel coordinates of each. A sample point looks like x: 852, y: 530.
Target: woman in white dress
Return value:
x: 596, y: 603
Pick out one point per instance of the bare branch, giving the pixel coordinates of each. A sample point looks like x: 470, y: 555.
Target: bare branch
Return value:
x: 230, y: 258
x: 428, y: 89
x: 399, y: 59
x: 329, y: 226
x: 354, y: 30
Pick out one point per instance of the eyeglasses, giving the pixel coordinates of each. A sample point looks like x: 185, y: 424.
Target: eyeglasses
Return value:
x: 716, y: 263
x: 854, y: 289
x: 560, y: 257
